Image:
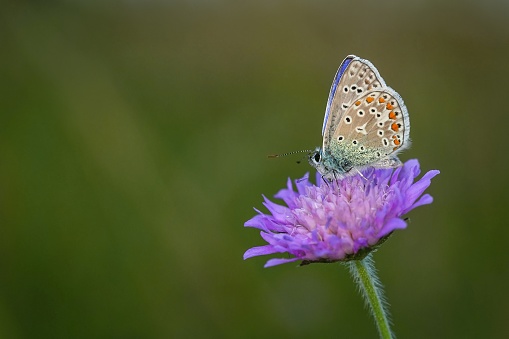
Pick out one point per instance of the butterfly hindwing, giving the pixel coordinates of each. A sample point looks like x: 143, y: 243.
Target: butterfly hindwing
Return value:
x: 373, y: 129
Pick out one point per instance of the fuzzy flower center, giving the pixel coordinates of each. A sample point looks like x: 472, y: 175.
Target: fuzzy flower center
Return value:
x: 346, y: 210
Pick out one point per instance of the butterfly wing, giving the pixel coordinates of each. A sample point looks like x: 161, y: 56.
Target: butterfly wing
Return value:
x: 372, y: 130
x: 354, y: 78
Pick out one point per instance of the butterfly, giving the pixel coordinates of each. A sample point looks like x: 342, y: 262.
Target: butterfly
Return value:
x: 366, y: 123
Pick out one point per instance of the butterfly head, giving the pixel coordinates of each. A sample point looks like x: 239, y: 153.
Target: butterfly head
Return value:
x: 316, y: 159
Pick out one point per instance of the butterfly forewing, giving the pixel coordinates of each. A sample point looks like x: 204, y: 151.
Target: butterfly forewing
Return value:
x: 355, y: 78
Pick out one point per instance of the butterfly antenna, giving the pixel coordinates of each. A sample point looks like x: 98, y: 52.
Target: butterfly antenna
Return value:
x: 289, y: 153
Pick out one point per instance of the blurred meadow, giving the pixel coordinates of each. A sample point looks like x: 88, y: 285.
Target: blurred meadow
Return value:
x: 133, y: 147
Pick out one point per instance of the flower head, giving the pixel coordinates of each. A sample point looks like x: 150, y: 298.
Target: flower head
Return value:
x: 342, y: 220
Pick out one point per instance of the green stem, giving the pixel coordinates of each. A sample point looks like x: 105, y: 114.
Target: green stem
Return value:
x: 364, y: 274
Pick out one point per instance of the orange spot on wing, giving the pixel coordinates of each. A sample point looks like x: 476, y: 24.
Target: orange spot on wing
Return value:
x: 357, y: 103
x: 395, y: 127
x: 392, y: 115
x: 369, y: 99
x: 381, y: 100
x: 395, y: 148
x: 397, y: 142
x: 389, y: 106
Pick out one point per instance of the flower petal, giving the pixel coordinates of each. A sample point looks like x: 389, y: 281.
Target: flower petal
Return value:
x: 415, y: 191
x: 259, y: 250
x: 280, y: 213
x: 302, y: 183
x: 276, y: 261
x: 424, y: 200
x: 391, y: 225
x: 259, y: 221
x: 288, y: 195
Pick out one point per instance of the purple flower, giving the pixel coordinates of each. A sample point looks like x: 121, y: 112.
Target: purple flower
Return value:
x: 342, y: 220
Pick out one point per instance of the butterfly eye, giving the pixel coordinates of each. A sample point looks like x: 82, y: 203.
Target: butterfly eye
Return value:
x: 316, y: 157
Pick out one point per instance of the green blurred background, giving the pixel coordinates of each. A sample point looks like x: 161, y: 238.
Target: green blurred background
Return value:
x: 133, y: 146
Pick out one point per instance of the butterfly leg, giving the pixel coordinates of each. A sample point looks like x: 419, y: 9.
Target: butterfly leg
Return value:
x: 336, y: 178
x: 325, y: 180
x: 362, y: 175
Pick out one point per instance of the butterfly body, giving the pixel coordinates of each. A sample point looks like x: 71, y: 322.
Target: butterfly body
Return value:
x: 366, y: 123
